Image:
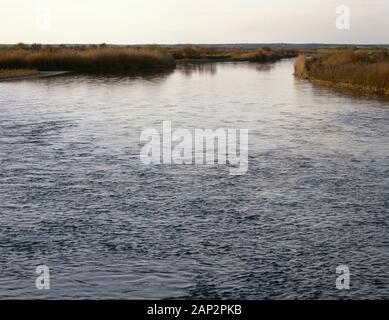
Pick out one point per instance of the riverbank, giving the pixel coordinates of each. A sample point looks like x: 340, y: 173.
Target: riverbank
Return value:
x: 86, y: 59
x: 210, y: 54
x: 32, y: 75
x: 104, y: 59
x: 359, y: 70
x: 15, y: 73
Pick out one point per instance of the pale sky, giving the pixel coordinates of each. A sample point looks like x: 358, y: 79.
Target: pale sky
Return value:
x: 185, y: 21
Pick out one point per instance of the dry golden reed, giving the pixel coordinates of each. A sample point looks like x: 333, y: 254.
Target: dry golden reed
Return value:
x: 99, y: 60
x: 231, y: 54
x: 364, y: 69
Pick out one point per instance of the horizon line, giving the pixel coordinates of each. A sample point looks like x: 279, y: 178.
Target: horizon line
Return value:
x: 198, y: 43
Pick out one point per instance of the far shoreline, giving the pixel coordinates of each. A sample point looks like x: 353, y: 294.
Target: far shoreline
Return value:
x: 105, y: 59
x: 38, y: 75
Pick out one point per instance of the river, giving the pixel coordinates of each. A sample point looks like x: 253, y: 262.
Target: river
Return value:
x: 75, y: 197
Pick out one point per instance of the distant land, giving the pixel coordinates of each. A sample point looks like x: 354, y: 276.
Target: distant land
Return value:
x: 282, y: 45
x: 237, y: 45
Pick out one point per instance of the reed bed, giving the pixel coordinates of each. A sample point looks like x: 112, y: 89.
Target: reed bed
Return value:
x: 91, y: 60
x: 268, y: 55
x: 231, y: 54
x: 111, y: 59
x: 363, y: 69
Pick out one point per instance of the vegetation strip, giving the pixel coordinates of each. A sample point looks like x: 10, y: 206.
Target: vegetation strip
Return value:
x: 365, y: 70
x: 85, y: 59
x: 25, y: 60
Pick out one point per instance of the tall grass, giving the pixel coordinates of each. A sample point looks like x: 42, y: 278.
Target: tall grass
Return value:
x: 107, y: 59
x: 268, y: 55
x: 231, y: 54
x: 364, y: 69
x: 300, y: 66
x: 194, y: 53
x: 95, y: 60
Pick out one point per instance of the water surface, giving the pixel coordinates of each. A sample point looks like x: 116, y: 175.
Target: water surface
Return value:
x: 75, y: 197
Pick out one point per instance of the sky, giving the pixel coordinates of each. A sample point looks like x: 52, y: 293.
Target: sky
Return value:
x: 187, y: 21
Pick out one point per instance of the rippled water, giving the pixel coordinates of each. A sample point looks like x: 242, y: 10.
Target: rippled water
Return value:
x: 75, y: 197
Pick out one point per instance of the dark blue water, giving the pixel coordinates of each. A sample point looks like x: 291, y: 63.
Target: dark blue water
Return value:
x: 74, y: 195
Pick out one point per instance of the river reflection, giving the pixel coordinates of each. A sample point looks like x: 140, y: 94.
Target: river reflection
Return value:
x: 211, y: 68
